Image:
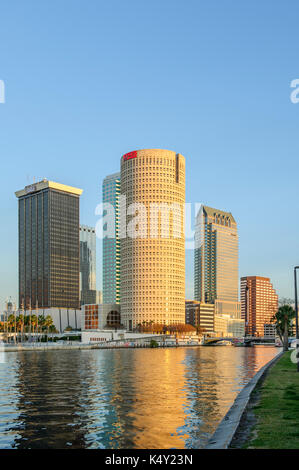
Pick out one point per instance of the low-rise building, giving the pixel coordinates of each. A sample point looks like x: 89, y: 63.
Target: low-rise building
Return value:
x: 226, y: 326
x: 101, y: 323
x: 62, y: 317
x: 200, y: 314
x: 226, y: 307
x: 269, y: 330
x: 99, y: 316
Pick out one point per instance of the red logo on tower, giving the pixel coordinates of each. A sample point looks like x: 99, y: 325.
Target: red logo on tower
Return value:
x: 130, y: 155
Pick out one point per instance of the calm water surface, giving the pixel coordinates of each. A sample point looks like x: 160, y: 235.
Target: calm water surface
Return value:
x: 134, y: 398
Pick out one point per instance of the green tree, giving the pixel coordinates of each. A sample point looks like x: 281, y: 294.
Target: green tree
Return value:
x: 283, y: 320
x: 33, y: 323
x: 48, y: 323
x: 11, y: 322
x: 41, y: 323
x: 20, y: 324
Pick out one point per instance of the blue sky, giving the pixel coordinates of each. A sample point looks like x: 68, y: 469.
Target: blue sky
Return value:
x: 87, y: 81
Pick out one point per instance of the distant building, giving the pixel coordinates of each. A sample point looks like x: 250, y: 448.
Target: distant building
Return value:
x: 219, y: 318
x: 259, y: 303
x: 233, y: 309
x: 200, y: 314
x: 226, y: 326
x: 88, y: 293
x: 216, y: 256
x: 192, y: 312
x: 49, y: 254
x: 10, y: 309
x: 269, y: 330
x: 99, y: 297
x: 111, y: 246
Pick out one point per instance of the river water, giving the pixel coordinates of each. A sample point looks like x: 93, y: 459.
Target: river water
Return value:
x: 132, y: 398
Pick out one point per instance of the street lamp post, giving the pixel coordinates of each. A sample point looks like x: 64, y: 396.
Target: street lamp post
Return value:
x: 296, y: 316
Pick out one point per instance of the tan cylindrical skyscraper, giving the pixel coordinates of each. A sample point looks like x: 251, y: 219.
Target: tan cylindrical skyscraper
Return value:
x: 152, y: 257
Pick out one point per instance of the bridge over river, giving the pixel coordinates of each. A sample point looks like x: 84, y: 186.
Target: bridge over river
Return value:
x: 247, y: 340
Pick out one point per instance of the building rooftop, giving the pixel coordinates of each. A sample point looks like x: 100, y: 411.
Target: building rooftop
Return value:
x: 87, y: 228
x: 211, y: 212
x: 44, y: 184
x: 256, y: 277
x: 112, y: 176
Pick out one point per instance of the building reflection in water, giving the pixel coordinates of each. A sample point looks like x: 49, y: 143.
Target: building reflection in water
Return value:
x: 134, y: 398
x: 49, y: 388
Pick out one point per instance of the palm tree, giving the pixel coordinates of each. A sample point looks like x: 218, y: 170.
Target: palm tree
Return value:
x: 26, y: 323
x: 41, y: 322
x: 20, y: 324
x: 283, y: 323
x: 11, y: 322
x: 48, y: 323
x: 34, y: 322
x: 52, y: 329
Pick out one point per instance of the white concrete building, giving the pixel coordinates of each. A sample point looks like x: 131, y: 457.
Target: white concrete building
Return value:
x: 62, y: 317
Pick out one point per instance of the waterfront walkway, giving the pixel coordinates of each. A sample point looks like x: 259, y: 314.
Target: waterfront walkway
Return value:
x: 271, y: 420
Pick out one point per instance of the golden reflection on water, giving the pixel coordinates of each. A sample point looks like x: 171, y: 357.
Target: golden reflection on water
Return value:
x: 135, y: 398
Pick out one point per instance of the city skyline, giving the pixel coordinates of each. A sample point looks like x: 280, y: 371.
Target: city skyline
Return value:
x: 207, y: 221
x: 237, y: 130
x: 110, y: 195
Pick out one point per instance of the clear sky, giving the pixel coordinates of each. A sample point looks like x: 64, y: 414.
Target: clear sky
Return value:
x: 87, y: 81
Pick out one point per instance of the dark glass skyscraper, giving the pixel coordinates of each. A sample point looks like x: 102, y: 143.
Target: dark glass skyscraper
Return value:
x: 49, y: 255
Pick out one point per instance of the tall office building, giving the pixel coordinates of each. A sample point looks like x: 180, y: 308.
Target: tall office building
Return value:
x: 216, y: 278
x: 111, y: 246
x: 216, y: 256
x: 49, y: 245
x: 259, y: 302
x: 153, y: 249
x: 88, y: 293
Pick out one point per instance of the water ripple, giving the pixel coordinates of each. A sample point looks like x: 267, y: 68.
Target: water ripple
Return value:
x: 135, y: 398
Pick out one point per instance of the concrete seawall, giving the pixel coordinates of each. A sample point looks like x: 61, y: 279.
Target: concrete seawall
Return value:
x: 227, y: 428
x: 45, y: 347
x: 55, y: 346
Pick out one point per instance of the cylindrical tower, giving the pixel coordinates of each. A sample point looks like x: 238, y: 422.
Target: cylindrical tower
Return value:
x: 152, y: 255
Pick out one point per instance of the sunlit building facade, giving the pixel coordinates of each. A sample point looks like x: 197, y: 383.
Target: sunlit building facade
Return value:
x: 226, y: 326
x: 153, y: 247
x: 215, y: 256
x: 259, y: 302
x: 216, y: 271
x: 111, y: 246
x: 49, y: 255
